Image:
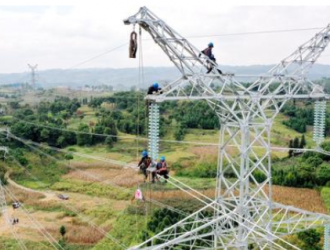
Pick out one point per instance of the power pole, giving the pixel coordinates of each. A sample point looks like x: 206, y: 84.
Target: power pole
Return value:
x: 33, y: 75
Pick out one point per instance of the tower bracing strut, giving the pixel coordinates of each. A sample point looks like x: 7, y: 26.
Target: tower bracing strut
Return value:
x: 242, y: 214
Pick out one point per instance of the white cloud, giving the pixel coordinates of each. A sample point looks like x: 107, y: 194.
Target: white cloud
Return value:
x: 59, y: 37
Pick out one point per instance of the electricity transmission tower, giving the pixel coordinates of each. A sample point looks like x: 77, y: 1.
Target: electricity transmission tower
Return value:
x: 243, y: 215
x: 33, y: 75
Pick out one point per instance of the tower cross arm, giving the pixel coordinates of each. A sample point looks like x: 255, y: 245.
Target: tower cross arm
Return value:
x: 187, y: 58
x: 302, y: 59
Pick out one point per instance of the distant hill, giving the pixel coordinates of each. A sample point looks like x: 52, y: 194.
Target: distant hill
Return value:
x: 122, y: 79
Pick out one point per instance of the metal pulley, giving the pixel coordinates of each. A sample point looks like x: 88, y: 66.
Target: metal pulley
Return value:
x: 133, y: 45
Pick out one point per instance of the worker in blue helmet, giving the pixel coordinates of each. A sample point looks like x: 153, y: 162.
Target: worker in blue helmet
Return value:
x: 161, y: 169
x: 144, y: 164
x: 154, y: 89
x: 208, y: 52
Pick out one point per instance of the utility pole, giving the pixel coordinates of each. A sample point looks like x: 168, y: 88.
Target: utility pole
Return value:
x: 33, y: 75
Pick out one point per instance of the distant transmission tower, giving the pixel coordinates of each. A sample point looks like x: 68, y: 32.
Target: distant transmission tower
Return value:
x: 33, y: 75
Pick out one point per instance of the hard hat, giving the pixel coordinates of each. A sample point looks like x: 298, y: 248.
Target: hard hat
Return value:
x: 145, y: 153
x: 155, y: 85
x: 211, y: 45
x: 162, y: 158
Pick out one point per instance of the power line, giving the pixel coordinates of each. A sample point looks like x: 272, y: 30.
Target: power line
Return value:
x: 97, y: 56
x: 96, y: 178
x: 40, y: 228
x: 198, y: 36
x: 256, y: 32
x: 101, y: 230
x: 147, y: 139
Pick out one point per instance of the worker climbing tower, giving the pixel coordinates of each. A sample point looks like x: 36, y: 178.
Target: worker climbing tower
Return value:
x: 241, y: 215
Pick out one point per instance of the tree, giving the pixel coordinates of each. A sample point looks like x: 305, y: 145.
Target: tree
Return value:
x: 84, y: 138
x: 302, y: 141
x: 323, y: 174
x: 180, y: 132
x: 290, y: 150
x: 62, y: 241
x: 61, y: 142
x: 311, y: 239
x: 68, y: 157
x: 44, y: 134
x: 296, y: 142
x: 62, y: 231
x: 14, y: 105
x: 109, y: 141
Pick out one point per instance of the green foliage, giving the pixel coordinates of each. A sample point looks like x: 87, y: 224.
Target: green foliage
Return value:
x: 109, y: 141
x: 200, y: 169
x: 180, y: 132
x: 91, y: 188
x: 299, y: 117
x: 62, y: 231
x: 302, y: 141
x: 84, y: 138
x: 164, y: 218
x: 19, y: 156
x: 68, y: 157
x: 127, y: 228
x: 311, y: 239
x: 259, y: 176
x: 308, y: 170
x: 45, y: 169
x: 196, y: 115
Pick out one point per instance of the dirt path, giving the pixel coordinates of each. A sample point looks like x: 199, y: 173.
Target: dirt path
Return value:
x: 47, y: 195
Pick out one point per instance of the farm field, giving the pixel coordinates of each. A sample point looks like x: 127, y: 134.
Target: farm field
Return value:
x: 101, y: 180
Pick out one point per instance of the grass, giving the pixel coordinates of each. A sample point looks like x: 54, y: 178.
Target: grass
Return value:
x: 11, y: 244
x: 325, y: 194
x: 126, y: 228
x: 41, y: 172
x: 91, y: 188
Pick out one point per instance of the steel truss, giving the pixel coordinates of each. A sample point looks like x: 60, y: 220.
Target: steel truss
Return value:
x: 242, y: 215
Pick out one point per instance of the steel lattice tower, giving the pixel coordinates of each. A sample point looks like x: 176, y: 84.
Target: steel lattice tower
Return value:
x: 243, y: 210
x: 33, y: 75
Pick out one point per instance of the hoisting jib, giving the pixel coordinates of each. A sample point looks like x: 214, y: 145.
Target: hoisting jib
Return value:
x: 133, y: 45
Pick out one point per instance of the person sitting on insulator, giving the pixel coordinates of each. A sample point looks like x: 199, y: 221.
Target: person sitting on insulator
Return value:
x: 144, y: 164
x: 154, y: 89
x: 208, y: 52
x: 161, y: 169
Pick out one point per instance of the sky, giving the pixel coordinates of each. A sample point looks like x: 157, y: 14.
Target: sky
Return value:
x: 62, y: 34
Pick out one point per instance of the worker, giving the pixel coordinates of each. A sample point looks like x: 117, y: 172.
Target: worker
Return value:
x: 154, y: 89
x: 208, y: 52
x: 161, y: 169
x: 144, y: 164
